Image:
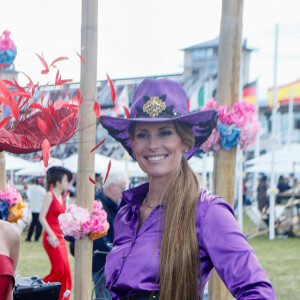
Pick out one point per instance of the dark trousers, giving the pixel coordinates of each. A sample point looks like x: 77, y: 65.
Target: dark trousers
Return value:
x: 99, y: 285
x: 35, y: 223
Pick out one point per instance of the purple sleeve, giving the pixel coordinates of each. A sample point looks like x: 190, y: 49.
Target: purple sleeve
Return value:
x: 232, y: 256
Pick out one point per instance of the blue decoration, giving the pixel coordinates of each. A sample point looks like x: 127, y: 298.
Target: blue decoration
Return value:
x: 4, y: 206
x: 8, y: 57
x: 229, y: 135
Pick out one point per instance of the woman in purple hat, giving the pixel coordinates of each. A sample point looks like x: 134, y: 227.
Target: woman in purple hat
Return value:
x: 171, y: 232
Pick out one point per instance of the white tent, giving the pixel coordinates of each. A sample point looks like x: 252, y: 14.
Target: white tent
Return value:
x: 15, y: 163
x: 197, y: 165
x: 38, y: 168
x: 279, y: 168
x: 287, y: 154
x: 101, y: 164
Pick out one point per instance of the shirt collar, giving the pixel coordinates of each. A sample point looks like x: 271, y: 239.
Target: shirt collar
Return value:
x: 135, y: 196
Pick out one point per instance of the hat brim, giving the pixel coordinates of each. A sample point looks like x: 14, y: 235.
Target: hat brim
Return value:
x: 202, y: 123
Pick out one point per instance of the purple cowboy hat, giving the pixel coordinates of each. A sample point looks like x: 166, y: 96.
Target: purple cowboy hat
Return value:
x: 158, y: 100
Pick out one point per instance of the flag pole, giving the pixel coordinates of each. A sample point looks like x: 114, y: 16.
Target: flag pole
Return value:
x: 291, y: 108
x: 273, y: 141
x: 86, y: 142
x: 229, y: 57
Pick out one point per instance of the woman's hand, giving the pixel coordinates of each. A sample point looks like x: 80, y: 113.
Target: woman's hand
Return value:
x: 52, y: 240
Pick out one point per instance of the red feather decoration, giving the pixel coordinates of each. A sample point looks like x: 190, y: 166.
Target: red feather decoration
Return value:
x: 98, y: 145
x: 112, y: 89
x: 39, y: 156
x: 107, y: 172
x: 81, y: 58
x: 92, y: 181
x: 97, y: 109
x: 126, y: 111
x: 43, y: 126
x: 46, y: 152
x: 79, y: 97
x: 36, y: 106
x: 39, y: 130
x: 5, y: 121
x: 57, y: 60
x: 44, y: 64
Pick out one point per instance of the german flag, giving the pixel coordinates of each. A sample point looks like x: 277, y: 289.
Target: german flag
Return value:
x: 249, y: 92
x: 283, y: 93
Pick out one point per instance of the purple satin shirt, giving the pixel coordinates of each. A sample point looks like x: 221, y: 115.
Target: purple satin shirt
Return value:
x: 132, y: 265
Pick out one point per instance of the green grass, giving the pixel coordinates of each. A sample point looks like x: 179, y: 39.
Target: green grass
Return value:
x: 34, y: 260
x: 280, y: 258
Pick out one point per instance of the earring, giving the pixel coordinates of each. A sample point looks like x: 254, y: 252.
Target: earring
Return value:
x: 186, y: 150
x: 133, y: 155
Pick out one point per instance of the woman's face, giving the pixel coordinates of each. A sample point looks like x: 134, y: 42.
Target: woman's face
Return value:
x: 158, y: 148
x: 64, y: 183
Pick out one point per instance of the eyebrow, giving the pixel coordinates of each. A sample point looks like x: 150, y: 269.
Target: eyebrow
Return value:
x: 160, y: 128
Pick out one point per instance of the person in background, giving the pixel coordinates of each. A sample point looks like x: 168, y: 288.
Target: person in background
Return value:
x: 35, y: 194
x: 9, y: 255
x: 98, y: 180
x: 283, y: 184
x: 171, y: 232
x: 262, y: 197
x: 58, y: 179
x: 282, y: 187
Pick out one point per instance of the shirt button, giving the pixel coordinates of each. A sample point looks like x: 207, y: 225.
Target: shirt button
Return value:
x: 123, y: 257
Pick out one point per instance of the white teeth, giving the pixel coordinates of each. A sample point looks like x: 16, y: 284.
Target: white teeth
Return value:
x: 156, y: 157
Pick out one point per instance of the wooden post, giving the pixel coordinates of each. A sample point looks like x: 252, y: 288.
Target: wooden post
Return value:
x: 2, y: 163
x: 87, y: 139
x: 229, y: 55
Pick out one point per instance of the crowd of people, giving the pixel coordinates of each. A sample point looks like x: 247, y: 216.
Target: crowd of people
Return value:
x: 165, y: 235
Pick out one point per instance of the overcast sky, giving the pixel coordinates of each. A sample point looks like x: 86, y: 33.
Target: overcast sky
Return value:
x: 143, y: 37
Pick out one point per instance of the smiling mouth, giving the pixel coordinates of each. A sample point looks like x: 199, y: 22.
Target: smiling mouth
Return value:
x: 156, y: 158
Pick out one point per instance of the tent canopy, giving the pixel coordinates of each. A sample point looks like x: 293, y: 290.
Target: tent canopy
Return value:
x: 15, y: 163
x: 287, y: 154
x: 38, y: 169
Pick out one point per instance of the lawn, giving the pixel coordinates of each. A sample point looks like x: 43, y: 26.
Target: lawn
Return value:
x: 280, y: 258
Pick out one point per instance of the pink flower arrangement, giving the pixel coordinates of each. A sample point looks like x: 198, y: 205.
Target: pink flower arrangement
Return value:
x: 5, y: 41
x: 243, y: 114
x: 11, y: 195
x: 77, y: 221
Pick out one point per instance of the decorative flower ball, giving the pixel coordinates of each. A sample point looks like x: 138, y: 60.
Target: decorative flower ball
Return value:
x: 236, y: 125
x: 11, y: 195
x: 8, y: 50
x: 77, y: 222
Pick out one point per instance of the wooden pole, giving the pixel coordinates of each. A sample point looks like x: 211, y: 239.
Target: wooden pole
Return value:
x: 229, y: 55
x: 2, y: 162
x: 87, y: 137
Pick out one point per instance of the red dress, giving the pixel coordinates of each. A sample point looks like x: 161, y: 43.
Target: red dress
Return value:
x: 60, y: 270
x: 7, y: 279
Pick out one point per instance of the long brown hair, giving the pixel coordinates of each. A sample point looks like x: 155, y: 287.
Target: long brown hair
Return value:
x: 179, y: 266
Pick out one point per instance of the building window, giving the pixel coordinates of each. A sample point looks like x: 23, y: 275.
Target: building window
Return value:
x: 202, y: 54
x: 198, y: 54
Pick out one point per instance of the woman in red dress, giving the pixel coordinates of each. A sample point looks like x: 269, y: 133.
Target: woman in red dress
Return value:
x: 9, y: 255
x: 53, y: 205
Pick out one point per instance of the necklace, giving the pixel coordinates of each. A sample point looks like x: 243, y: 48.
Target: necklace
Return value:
x: 147, y: 203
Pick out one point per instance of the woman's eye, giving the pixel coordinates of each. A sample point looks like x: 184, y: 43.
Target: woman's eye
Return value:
x: 141, y: 135
x: 164, y: 133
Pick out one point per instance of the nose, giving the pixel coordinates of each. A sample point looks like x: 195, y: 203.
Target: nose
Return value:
x: 154, y: 142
